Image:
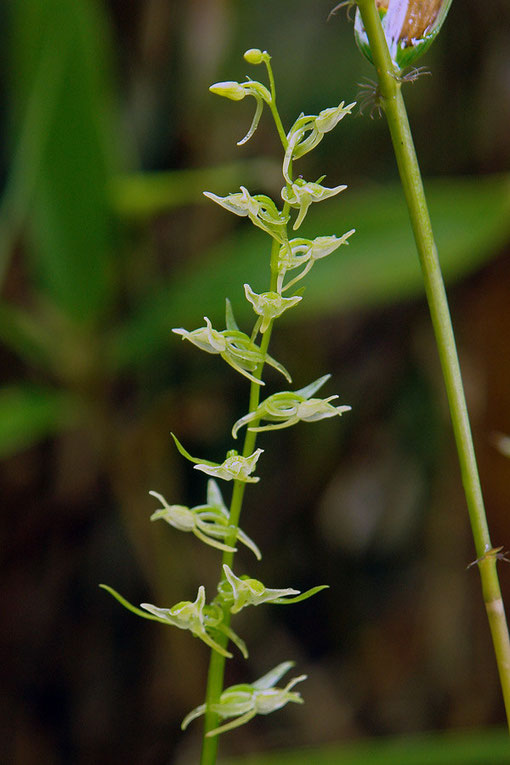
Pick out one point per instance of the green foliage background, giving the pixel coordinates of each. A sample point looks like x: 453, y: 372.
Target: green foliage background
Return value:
x: 106, y: 242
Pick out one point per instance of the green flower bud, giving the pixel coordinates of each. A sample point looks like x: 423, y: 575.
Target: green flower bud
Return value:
x: 232, y: 90
x: 254, y: 56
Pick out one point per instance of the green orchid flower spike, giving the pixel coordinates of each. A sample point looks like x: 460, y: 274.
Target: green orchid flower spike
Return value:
x: 260, y: 209
x: 236, y: 91
x: 268, y: 305
x: 410, y: 27
x: 209, y: 522
x: 288, y: 408
x: 234, y: 347
x: 245, y: 701
x: 309, y: 130
x: 305, y: 252
x: 301, y: 194
x: 239, y: 592
x: 234, y: 468
x: 214, y: 523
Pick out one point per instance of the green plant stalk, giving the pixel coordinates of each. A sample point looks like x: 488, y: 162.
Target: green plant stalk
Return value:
x: 216, y: 670
x: 396, y: 115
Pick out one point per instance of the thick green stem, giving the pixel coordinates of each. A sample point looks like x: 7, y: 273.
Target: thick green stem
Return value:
x: 396, y: 115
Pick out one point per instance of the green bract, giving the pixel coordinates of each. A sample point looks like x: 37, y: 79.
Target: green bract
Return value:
x: 208, y: 522
x: 288, y: 408
x: 245, y: 701
x: 410, y: 27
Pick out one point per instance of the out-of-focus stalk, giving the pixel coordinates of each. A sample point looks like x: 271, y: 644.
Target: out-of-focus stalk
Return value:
x: 392, y: 103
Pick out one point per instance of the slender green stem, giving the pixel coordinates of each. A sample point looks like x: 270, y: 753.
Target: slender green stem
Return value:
x: 272, y: 105
x: 396, y: 115
x: 217, y: 661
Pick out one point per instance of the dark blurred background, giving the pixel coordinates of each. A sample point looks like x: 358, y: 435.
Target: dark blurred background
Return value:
x: 109, y: 137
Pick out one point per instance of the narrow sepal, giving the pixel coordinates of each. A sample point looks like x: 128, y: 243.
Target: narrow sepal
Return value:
x: 303, y: 595
x: 187, y: 455
x: 130, y: 606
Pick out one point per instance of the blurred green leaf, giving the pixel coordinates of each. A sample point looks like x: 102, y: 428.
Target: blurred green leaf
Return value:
x: 490, y: 747
x: 59, y: 51
x: 28, y: 153
x: 29, y: 413
x: 380, y: 265
x: 144, y: 195
x: 25, y: 335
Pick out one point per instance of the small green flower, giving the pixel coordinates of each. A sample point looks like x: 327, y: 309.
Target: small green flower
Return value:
x: 250, y: 592
x: 328, y: 119
x: 247, y: 700
x: 301, y: 194
x: 209, y: 522
x: 260, y: 209
x: 234, y: 347
x: 305, y: 252
x: 288, y: 408
x: 196, y: 616
x: 410, y: 27
x: 268, y: 305
x: 316, y: 126
x: 236, y: 91
x: 239, y: 592
x: 234, y: 468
